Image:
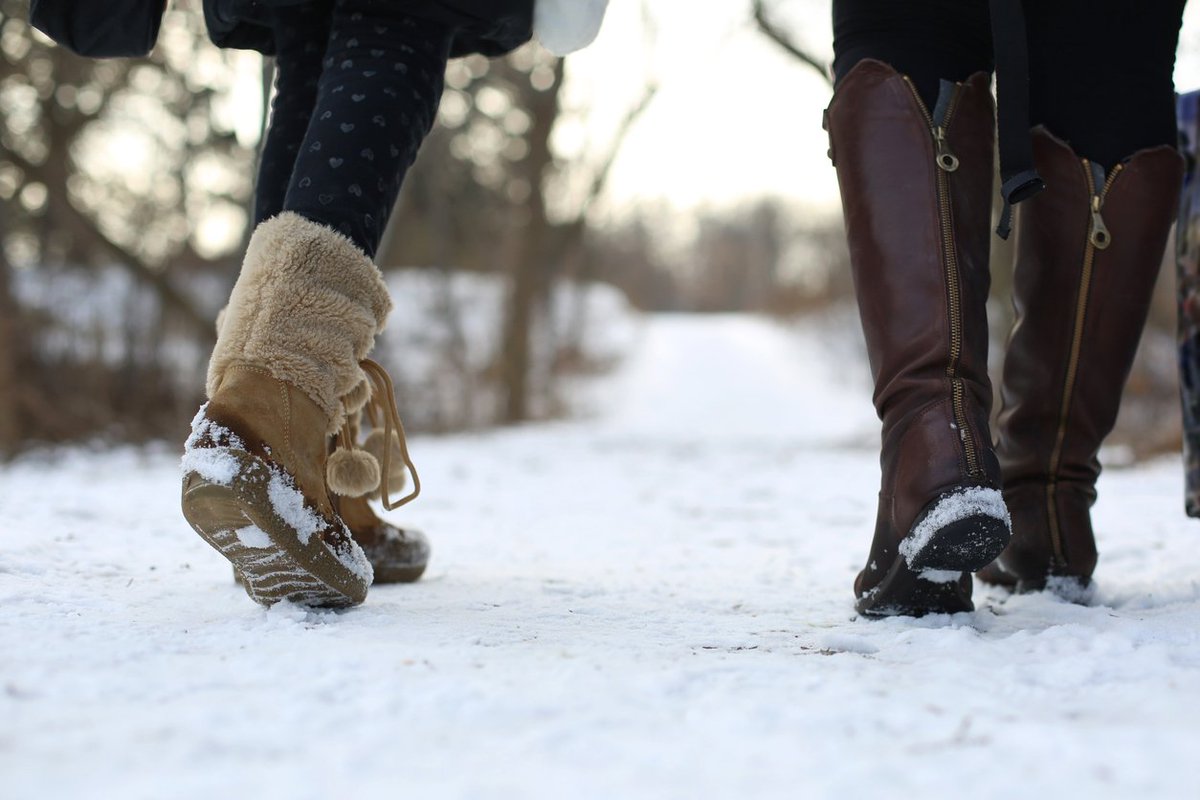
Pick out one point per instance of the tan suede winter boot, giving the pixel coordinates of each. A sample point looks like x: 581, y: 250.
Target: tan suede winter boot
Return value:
x: 397, y: 555
x: 287, y: 368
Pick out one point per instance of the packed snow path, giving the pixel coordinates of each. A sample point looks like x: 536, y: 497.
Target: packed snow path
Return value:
x: 654, y: 602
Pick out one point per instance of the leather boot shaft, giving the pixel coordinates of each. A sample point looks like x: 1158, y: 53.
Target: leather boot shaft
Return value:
x: 1088, y: 252
x: 916, y: 187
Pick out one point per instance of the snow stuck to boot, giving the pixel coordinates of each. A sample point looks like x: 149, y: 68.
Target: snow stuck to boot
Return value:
x: 251, y: 512
x: 963, y: 530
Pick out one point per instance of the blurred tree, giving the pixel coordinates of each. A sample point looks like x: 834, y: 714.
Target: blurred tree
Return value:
x: 490, y: 193
x: 774, y: 31
x: 132, y: 162
x: 117, y: 162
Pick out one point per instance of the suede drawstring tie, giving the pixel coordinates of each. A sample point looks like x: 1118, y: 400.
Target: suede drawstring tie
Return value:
x: 1019, y: 178
x: 373, y: 473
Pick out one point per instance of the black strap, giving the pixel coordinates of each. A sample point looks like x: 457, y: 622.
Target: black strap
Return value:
x: 1019, y: 178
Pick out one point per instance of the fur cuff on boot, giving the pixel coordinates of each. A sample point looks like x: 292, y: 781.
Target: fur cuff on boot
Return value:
x: 306, y: 306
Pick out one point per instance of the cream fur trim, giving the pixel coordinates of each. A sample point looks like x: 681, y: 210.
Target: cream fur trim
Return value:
x: 306, y: 306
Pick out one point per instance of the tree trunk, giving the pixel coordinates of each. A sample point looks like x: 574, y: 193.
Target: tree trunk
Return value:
x: 530, y: 272
x: 11, y: 349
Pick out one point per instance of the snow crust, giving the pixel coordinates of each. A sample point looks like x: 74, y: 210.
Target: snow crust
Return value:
x: 288, y: 503
x: 214, y: 464
x: 254, y: 537
x: 614, y: 609
x: 939, y: 575
x: 972, y: 501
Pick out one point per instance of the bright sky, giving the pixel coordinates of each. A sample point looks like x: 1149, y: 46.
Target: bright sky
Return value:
x: 736, y: 117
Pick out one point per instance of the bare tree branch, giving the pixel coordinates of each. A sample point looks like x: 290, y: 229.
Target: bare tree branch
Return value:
x: 600, y: 178
x: 785, y: 41
x: 171, y: 296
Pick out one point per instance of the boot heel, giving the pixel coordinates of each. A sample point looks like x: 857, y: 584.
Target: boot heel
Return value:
x: 278, y: 553
x: 903, y: 592
x: 961, y: 531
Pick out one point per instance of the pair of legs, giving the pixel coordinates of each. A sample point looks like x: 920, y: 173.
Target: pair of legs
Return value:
x: 275, y: 477
x: 911, y: 133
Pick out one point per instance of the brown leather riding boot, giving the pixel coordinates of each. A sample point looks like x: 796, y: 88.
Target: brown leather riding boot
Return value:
x: 916, y: 190
x: 1088, y: 253
x: 288, y: 365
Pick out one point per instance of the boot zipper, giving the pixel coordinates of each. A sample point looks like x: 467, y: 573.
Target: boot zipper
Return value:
x: 947, y: 162
x: 1098, y: 238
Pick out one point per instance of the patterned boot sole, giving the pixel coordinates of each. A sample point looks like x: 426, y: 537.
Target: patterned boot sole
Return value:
x: 253, y: 515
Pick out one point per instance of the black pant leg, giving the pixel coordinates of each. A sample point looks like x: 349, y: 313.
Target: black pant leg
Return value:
x: 377, y: 99
x: 928, y: 40
x: 301, y: 33
x: 1101, y: 73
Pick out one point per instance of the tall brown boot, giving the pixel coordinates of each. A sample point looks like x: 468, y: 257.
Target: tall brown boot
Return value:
x: 287, y: 368
x: 1088, y: 253
x: 916, y: 190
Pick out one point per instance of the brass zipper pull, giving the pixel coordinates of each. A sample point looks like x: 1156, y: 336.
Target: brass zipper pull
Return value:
x: 1098, y: 235
x: 945, y: 159
x: 1098, y: 185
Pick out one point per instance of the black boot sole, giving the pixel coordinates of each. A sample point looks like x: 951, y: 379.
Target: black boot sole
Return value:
x: 933, y: 577
x: 965, y: 545
x: 904, y: 593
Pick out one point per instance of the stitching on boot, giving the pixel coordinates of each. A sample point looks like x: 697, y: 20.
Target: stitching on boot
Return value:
x: 286, y: 397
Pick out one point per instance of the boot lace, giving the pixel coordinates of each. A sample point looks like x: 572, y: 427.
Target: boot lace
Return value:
x: 381, y: 411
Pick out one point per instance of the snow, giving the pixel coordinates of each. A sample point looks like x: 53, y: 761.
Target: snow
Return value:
x: 971, y: 501
x: 939, y: 575
x: 654, y: 601
x: 214, y: 464
x: 254, y: 537
x: 288, y: 504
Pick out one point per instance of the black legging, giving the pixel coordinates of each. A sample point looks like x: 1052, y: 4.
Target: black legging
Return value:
x: 1100, y: 71
x: 356, y: 90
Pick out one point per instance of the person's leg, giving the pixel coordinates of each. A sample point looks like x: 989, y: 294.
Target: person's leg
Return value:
x: 289, y: 370
x: 377, y: 99
x: 927, y: 40
x: 1088, y: 251
x: 301, y: 34
x: 915, y: 173
x: 1101, y: 74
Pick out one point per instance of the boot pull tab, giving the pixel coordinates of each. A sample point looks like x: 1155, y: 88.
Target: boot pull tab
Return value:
x: 825, y: 126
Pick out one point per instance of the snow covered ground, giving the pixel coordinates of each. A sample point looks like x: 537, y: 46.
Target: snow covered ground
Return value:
x: 654, y: 602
